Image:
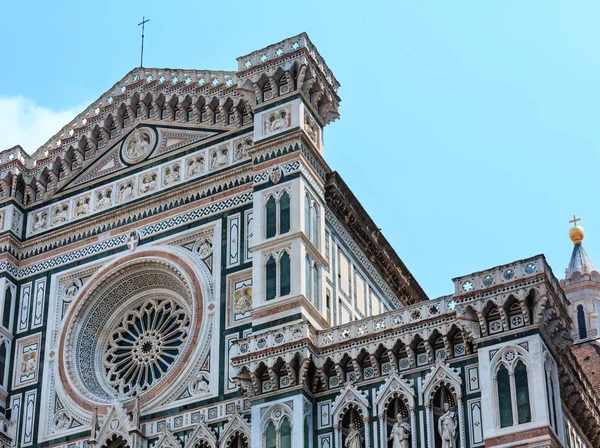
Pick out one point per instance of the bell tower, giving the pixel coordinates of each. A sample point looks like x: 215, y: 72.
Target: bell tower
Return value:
x: 582, y: 286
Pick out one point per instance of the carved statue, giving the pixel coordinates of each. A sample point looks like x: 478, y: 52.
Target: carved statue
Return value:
x: 104, y: 199
x: 354, y: 439
x: 39, y: 221
x: 61, y: 421
x: 148, y: 183
x: 61, y: 214
x: 73, y: 287
x: 171, y: 175
x: 311, y: 128
x: 28, y: 363
x: 83, y: 206
x: 277, y: 121
x: 447, y: 427
x: 400, y: 435
x: 126, y: 192
x: 219, y: 158
x: 242, y: 300
x: 138, y: 146
x: 195, y: 166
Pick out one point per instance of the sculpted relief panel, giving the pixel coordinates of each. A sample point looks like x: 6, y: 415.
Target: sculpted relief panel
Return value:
x: 145, y: 183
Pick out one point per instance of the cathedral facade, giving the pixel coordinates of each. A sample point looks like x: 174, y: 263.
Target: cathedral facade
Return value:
x: 181, y: 267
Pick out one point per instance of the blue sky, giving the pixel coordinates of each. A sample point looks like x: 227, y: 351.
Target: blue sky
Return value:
x: 469, y: 129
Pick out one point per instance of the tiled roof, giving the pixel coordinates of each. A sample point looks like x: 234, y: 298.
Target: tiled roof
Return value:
x: 588, y: 355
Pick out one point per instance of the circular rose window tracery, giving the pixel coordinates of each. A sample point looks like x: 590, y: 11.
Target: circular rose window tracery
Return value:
x: 144, y: 344
x: 133, y: 331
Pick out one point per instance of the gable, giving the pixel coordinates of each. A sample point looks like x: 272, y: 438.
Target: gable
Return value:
x: 141, y: 144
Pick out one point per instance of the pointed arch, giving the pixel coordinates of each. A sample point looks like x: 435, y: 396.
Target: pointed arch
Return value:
x: 396, y: 387
x: 442, y: 376
x: 237, y: 426
x: 350, y: 399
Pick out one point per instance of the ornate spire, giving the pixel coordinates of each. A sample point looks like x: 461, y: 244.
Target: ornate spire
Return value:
x: 580, y: 262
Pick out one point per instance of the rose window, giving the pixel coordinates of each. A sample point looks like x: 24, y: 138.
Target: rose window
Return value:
x: 133, y: 332
x: 144, y: 344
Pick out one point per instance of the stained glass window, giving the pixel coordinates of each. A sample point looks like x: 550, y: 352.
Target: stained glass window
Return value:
x: 271, y: 217
x: 284, y: 213
x: 315, y: 273
x: 271, y: 274
x: 504, y: 399
x: 307, y: 216
x: 315, y: 225
x: 2, y: 363
x: 308, y: 278
x: 286, y: 434
x: 6, y: 308
x: 522, y: 387
x: 284, y: 274
x: 271, y: 436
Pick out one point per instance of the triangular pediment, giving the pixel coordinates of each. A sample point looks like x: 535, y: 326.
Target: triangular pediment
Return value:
x: 395, y: 384
x: 115, y: 423
x: 138, y: 146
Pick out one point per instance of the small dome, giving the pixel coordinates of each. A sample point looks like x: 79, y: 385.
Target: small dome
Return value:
x: 576, y: 234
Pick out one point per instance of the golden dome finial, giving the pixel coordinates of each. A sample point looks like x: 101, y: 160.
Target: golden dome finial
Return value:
x: 576, y: 232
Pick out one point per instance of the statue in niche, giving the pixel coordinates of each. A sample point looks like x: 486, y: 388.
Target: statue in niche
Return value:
x: 138, y: 145
x: 400, y: 435
x: 447, y: 427
x: 354, y: 438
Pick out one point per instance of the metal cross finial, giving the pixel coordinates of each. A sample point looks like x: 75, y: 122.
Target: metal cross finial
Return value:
x: 574, y: 220
x: 144, y: 20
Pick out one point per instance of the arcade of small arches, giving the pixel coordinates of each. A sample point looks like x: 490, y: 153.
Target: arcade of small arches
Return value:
x: 144, y: 100
x: 329, y: 368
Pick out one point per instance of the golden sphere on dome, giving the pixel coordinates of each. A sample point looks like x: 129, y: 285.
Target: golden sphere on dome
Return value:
x: 576, y: 234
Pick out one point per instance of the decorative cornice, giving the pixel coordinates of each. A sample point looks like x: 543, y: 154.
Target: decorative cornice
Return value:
x: 363, y: 230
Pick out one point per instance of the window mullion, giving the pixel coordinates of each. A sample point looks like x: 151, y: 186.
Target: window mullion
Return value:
x: 513, y: 395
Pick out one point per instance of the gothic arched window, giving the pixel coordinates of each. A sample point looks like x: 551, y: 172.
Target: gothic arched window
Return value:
x: 284, y: 213
x: 522, y: 389
x: 504, y: 399
x: 315, y: 224
x: 512, y: 387
x: 2, y: 364
x: 271, y: 278
x: 271, y: 217
x: 277, y: 275
x: 239, y: 441
x: 284, y: 274
x: 307, y: 215
x: 285, y: 432
x: 271, y: 436
x: 581, y: 322
x: 308, y: 278
x: 277, y: 214
x: 311, y: 219
x: 7, y: 308
x: 315, y: 281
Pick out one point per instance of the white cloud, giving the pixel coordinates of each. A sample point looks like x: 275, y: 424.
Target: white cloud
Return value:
x: 24, y: 122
